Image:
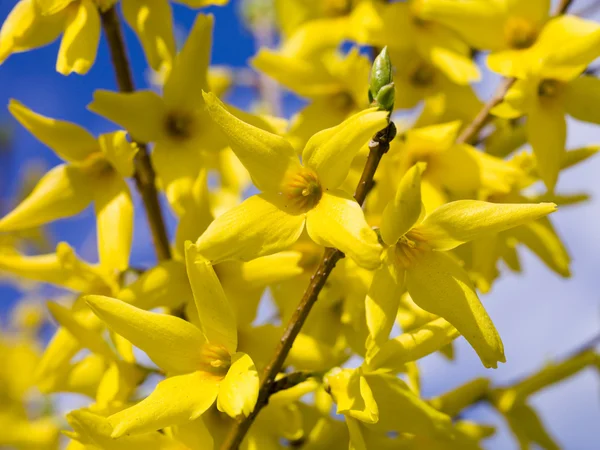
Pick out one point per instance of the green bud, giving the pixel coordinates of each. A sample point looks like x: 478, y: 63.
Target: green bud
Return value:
x: 381, y: 72
x: 385, y: 97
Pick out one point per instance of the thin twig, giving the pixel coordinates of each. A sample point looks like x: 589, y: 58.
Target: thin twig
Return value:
x: 378, y: 146
x: 144, y: 172
x: 471, y: 131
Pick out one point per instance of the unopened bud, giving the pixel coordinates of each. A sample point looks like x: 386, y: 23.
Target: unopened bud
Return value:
x: 385, y: 97
x: 381, y: 89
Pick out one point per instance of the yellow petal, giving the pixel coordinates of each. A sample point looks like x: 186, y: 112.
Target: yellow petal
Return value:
x: 188, y: 78
x: 547, y: 134
x: 257, y: 227
x: 141, y: 113
x: 49, y: 7
x: 382, y: 304
x: 152, y: 21
x: 266, y: 156
x: 316, y: 36
x: 172, y: 343
x: 114, y: 218
x: 119, y: 152
x: 353, y: 395
x: 439, y: 285
x: 25, y: 28
x: 63, y: 268
x: 541, y: 238
x: 454, y: 401
x: 239, y: 389
x: 87, y: 337
x: 63, y: 192
x: 79, y: 43
x: 582, y: 97
x: 330, y: 152
x: 461, y: 221
x: 479, y: 23
x: 217, y: 320
x: 176, y: 400
x: 165, y: 285
x: 69, y: 141
x: 414, y: 345
x: 301, y: 76
x: 404, y: 210
x: 402, y: 410
x: 338, y: 221
x: 528, y: 428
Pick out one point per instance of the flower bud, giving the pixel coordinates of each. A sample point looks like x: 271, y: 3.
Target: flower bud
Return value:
x: 381, y: 89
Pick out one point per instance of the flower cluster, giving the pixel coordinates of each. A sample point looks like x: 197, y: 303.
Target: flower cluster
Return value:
x: 416, y: 215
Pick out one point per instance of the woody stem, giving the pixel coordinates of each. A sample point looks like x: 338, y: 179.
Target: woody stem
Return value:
x: 144, y: 175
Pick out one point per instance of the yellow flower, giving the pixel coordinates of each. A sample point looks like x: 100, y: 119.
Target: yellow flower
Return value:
x: 550, y: 85
x: 491, y: 25
x: 415, y: 260
x: 35, y: 23
x: 202, y: 364
x: 294, y: 195
x: 334, y: 84
x: 152, y: 20
x: 93, y: 172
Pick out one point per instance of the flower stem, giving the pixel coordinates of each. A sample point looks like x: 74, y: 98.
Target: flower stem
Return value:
x: 144, y: 172
x: 378, y: 146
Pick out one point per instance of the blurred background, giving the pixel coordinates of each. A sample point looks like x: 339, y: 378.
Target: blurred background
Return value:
x: 540, y: 316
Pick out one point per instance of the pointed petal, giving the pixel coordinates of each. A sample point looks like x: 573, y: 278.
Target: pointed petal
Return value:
x: 86, y: 336
x: 63, y: 268
x: 404, y: 210
x: 541, y: 238
x: 141, y: 113
x: 114, y: 218
x: 63, y: 192
x: 25, y: 28
x: 152, y: 21
x: 80, y: 39
x: 439, y: 285
x: 330, y: 152
x: 176, y: 400
x: 461, y: 221
x: 382, y: 304
x: 257, y: 227
x: 266, y: 156
x: 527, y: 427
x: 414, y: 345
x: 69, y: 141
x: 239, y: 390
x: 165, y: 285
x: 582, y: 99
x: 119, y: 152
x: 172, y: 343
x: 188, y: 78
x: 338, y: 221
x: 547, y: 133
x: 217, y: 319
x: 353, y: 395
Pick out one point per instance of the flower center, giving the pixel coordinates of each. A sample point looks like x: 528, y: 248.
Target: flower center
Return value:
x: 336, y: 8
x: 408, y: 250
x: 342, y: 101
x: 549, y: 88
x: 520, y: 33
x: 217, y: 358
x: 422, y: 76
x: 96, y: 165
x: 179, y: 125
x: 303, y: 190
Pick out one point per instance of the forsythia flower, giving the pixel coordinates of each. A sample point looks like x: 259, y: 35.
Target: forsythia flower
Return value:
x: 202, y: 365
x: 93, y: 172
x: 294, y: 195
x: 35, y: 23
x: 549, y: 86
x: 415, y: 260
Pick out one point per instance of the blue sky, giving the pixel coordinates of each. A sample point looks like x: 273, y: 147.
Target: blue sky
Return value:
x: 539, y: 315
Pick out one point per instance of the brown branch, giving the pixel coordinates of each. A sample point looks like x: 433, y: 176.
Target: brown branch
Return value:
x: 144, y: 172
x: 378, y: 146
x: 471, y: 131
